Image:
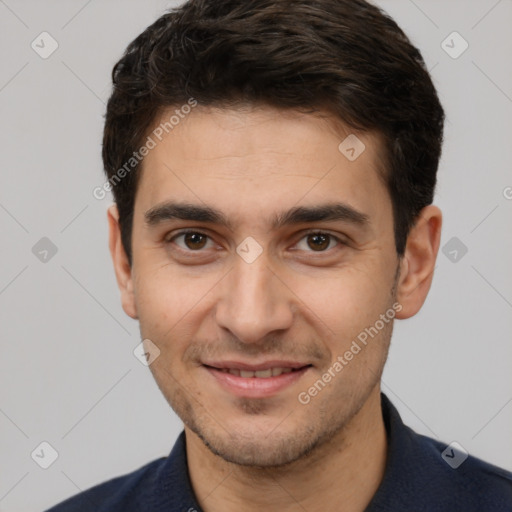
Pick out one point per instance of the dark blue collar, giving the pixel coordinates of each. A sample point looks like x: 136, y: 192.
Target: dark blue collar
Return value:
x: 416, y: 477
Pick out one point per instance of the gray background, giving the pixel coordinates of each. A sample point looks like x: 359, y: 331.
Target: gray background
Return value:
x: 68, y: 373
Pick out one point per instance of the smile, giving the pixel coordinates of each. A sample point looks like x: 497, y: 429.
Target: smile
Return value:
x: 258, y: 381
x: 260, y: 374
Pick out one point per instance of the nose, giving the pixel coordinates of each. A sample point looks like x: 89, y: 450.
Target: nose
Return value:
x: 254, y: 302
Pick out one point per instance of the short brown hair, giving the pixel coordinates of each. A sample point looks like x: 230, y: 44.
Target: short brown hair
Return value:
x: 344, y: 56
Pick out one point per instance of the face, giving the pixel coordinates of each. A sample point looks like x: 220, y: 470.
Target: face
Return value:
x: 261, y: 253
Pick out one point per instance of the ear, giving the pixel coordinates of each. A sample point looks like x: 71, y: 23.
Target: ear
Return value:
x: 122, y: 266
x: 418, y: 262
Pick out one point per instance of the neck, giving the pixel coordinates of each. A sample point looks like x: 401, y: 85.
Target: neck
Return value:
x: 341, y: 474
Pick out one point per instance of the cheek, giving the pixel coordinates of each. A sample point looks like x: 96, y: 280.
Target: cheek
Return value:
x: 169, y: 303
x: 345, y: 301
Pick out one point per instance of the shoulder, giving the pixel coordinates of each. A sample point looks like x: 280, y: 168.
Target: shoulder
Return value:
x: 123, y: 493
x: 473, y: 483
x: 426, y: 475
x: 451, y: 479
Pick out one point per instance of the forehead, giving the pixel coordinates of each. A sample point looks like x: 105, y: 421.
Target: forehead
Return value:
x: 256, y: 159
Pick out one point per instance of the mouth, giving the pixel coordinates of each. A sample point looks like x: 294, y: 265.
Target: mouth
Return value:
x: 256, y: 381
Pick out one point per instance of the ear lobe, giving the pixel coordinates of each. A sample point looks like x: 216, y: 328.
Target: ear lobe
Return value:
x: 418, y: 263
x: 122, y: 266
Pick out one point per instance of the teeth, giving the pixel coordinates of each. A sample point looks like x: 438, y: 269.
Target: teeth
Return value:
x: 261, y: 374
x: 264, y: 373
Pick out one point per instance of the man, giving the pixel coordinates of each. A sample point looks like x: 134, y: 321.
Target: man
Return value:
x: 273, y: 165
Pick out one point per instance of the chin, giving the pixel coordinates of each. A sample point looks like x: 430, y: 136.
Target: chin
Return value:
x: 263, y: 452
x: 262, y: 444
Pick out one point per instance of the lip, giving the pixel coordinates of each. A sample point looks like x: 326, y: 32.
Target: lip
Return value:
x: 254, y: 387
x: 238, y: 365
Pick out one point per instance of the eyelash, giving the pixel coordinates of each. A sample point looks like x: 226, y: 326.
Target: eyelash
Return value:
x: 339, y: 241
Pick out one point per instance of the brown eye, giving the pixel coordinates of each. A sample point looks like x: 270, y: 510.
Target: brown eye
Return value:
x: 191, y: 241
x: 318, y: 241
x: 194, y: 240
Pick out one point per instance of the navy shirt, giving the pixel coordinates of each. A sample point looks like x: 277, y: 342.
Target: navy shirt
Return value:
x: 418, y: 477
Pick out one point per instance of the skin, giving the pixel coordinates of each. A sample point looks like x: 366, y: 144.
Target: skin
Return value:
x: 295, y: 301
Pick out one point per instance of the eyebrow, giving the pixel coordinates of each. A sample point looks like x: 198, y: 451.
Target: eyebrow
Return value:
x: 297, y: 215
